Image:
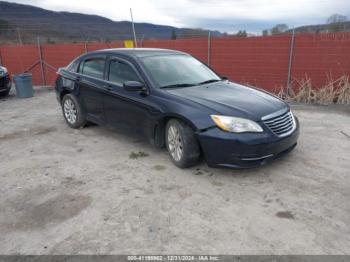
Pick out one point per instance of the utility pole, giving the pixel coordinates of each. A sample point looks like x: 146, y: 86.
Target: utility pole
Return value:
x: 133, y: 28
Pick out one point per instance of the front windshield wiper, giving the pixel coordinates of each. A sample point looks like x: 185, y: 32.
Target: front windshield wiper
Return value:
x: 208, y: 81
x: 177, y: 85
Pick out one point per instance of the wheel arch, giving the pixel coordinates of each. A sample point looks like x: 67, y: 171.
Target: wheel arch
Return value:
x: 63, y: 93
x: 159, y: 128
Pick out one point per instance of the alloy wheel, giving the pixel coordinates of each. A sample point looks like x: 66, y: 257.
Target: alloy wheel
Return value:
x: 70, y: 111
x: 175, y: 143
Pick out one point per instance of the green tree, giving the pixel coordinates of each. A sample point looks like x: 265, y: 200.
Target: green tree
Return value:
x: 265, y: 32
x: 241, y: 33
x: 50, y: 41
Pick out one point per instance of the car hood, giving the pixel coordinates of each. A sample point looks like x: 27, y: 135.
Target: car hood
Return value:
x: 227, y: 98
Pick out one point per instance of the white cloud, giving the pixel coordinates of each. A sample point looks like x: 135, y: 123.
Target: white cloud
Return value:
x: 190, y: 13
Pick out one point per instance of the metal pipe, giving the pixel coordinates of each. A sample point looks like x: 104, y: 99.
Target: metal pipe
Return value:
x: 133, y: 28
x: 290, y: 60
x: 0, y: 58
x: 43, y: 77
x: 209, y: 47
x: 19, y: 37
x: 50, y: 66
x: 141, y: 42
x: 31, y: 67
x: 86, y: 45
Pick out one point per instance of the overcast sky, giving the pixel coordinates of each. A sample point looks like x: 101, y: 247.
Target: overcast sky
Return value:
x: 223, y: 15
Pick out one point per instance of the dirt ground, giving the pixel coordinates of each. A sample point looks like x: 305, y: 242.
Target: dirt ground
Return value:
x: 97, y: 191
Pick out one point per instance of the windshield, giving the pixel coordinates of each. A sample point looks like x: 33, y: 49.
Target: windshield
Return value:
x: 178, y: 71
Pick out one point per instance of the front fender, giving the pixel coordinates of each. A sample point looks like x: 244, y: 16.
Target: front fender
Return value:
x: 196, y: 115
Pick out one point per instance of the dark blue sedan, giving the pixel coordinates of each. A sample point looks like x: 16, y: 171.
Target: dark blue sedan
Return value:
x: 177, y: 102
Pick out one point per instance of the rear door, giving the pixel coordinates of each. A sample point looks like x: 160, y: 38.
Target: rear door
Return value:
x: 91, y: 87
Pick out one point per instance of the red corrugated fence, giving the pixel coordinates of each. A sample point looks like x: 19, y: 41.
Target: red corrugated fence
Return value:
x: 260, y: 61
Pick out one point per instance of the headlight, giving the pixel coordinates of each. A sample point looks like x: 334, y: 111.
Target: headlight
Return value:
x: 236, y: 124
x: 3, y: 70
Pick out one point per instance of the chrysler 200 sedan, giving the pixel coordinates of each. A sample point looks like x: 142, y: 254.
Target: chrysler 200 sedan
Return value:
x: 177, y: 102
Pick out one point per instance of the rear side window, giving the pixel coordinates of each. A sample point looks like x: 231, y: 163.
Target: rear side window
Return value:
x: 121, y: 72
x: 93, y: 67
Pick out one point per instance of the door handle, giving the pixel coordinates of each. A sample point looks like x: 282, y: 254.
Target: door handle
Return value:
x: 108, y: 87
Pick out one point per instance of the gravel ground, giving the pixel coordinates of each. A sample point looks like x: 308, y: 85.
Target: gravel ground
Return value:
x: 97, y: 191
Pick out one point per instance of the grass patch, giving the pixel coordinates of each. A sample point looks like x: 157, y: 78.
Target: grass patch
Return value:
x: 135, y: 155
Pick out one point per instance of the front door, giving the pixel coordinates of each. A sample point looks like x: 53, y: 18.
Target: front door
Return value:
x: 126, y: 109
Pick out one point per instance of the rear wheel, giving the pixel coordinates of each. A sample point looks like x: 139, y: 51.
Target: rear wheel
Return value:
x: 72, y: 111
x: 181, y: 143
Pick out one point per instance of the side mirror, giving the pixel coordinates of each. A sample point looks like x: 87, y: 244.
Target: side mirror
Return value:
x: 224, y: 78
x: 133, y: 86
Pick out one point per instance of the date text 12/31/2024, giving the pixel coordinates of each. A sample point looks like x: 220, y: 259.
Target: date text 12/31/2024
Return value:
x: 173, y: 258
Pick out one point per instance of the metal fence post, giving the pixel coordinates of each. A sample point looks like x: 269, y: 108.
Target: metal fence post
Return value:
x: 85, y: 47
x: 43, y: 77
x: 290, y: 61
x: 141, y: 41
x: 0, y: 58
x: 209, y: 47
x: 133, y: 28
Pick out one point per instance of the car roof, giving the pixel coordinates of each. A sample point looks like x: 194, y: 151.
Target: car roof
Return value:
x: 139, y: 52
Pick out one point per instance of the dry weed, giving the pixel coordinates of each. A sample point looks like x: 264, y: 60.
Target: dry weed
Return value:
x: 334, y: 92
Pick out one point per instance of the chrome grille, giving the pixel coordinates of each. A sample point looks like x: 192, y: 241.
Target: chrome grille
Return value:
x: 281, y: 125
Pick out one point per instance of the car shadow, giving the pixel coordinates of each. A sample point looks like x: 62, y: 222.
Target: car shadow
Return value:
x: 201, y: 169
x: 259, y: 171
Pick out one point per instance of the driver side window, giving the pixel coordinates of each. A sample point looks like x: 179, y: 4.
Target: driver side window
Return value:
x: 121, y: 72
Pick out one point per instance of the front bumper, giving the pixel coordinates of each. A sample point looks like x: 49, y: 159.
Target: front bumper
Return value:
x: 5, y: 82
x: 224, y: 149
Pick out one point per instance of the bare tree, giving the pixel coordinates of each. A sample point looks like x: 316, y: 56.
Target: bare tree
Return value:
x: 336, y: 22
x: 279, y: 29
x: 336, y: 18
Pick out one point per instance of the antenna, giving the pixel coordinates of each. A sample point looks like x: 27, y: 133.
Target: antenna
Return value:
x: 133, y: 27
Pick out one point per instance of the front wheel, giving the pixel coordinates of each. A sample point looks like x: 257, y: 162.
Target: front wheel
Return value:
x: 181, y: 143
x: 4, y: 93
x: 73, y: 112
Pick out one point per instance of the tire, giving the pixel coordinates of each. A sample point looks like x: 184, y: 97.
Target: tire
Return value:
x: 5, y: 93
x: 73, y: 112
x: 181, y: 144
